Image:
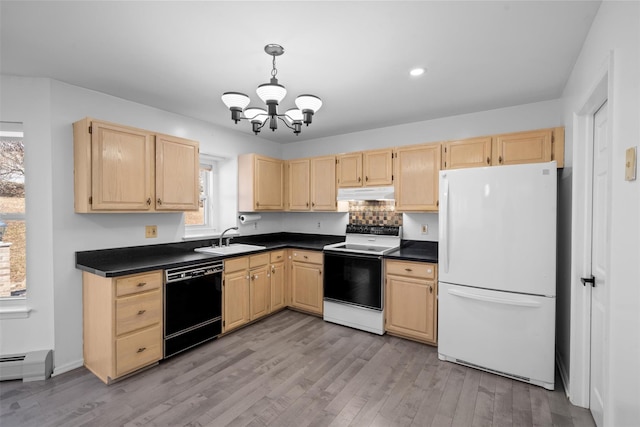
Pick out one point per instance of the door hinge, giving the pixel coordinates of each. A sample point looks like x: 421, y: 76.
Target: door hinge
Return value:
x: 445, y: 164
x: 336, y: 161
x: 90, y: 129
x: 391, y: 177
x: 445, y: 149
x: 223, y: 323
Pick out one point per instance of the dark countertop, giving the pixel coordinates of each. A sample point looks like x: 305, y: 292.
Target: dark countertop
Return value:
x: 415, y: 250
x: 131, y: 260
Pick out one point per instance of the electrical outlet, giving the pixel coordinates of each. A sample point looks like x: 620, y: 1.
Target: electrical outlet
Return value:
x: 424, y: 229
x: 151, y: 231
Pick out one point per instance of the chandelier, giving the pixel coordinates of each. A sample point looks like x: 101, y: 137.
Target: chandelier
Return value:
x: 272, y: 94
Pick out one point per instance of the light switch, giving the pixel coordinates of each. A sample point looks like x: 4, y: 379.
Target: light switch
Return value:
x: 630, y: 164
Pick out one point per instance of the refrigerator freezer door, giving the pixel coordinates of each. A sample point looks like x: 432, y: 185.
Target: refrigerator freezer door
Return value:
x: 506, y: 333
x: 498, y: 228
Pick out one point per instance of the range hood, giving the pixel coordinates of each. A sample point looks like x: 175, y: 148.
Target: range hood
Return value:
x: 366, y: 193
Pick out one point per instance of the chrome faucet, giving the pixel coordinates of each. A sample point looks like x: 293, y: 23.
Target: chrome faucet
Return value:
x: 222, y: 235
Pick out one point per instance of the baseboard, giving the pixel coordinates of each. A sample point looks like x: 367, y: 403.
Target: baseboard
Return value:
x: 57, y: 370
x: 564, y: 375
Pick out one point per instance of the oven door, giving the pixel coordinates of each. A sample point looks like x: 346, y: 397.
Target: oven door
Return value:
x: 353, y: 279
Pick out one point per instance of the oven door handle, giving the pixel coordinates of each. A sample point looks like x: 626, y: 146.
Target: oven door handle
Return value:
x: 346, y: 254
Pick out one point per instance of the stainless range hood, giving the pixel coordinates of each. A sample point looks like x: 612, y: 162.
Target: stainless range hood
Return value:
x: 366, y: 193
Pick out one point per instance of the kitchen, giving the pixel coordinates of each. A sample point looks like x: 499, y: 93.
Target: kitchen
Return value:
x: 55, y: 320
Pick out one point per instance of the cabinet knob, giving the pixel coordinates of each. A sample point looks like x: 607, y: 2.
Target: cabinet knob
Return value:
x: 307, y: 204
x: 359, y: 179
x: 488, y: 160
x: 149, y: 201
x: 159, y: 201
x: 320, y: 272
x: 500, y: 159
x: 141, y: 349
x: 141, y: 284
x: 430, y: 289
x: 140, y: 312
x: 313, y: 204
x: 366, y: 178
x: 273, y: 270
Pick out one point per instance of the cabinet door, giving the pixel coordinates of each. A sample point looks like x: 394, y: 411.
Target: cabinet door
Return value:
x: 378, y: 167
x: 298, y: 185
x: 467, y: 153
x: 177, y: 174
x: 323, y: 184
x: 306, y: 287
x: 260, y: 292
x: 121, y: 168
x: 417, y: 169
x: 410, y: 307
x: 522, y: 147
x: 236, y: 300
x: 349, y: 170
x: 278, y: 300
x: 268, y: 180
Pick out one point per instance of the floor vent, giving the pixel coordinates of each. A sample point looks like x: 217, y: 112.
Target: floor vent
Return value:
x: 31, y: 366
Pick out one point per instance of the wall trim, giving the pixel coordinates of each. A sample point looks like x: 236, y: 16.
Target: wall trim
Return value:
x: 58, y: 370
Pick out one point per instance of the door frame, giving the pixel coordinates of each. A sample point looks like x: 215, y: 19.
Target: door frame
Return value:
x: 578, y: 384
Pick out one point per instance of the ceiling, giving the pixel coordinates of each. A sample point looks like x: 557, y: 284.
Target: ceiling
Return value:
x: 180, y: 56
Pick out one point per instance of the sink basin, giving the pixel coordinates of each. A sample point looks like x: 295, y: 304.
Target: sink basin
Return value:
x: 234, y: 248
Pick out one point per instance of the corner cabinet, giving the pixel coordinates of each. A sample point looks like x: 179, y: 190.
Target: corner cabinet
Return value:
x: 417, y: 173
x: 123, y: 169
x: 122, y: 323
x: 411, y: 300
x: 260, y: 183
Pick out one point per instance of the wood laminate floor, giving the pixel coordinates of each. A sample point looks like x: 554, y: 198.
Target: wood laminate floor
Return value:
x: 292, y: 370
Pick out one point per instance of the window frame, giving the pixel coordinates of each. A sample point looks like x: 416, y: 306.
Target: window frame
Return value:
x: 211, y: 208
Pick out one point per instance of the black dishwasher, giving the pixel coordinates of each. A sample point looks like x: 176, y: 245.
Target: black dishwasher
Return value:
x: 192, y: 306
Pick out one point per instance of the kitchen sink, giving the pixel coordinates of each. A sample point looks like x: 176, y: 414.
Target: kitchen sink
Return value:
x: 234, y: 248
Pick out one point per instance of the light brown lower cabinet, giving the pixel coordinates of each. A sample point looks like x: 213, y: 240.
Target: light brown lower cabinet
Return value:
x: 306, y: 281
x: 278, y: 280
x: 411, y: 300
x: 122, y: 323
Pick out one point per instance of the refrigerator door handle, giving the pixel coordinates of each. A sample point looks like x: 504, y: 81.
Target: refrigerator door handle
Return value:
x: 444, y: 213
x: 518, y: 302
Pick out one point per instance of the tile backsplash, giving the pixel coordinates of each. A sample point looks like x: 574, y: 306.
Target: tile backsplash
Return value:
x: 374, y: 212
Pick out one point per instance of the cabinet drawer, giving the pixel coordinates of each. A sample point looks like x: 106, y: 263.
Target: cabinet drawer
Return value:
x: 277, y: 256
x: 313, y: 257
x: 138, y: 311
x: 412, y: 269
x: 137, y: 350
x: 258, y: 260
x: 138, y: 283
x: 236, y: 264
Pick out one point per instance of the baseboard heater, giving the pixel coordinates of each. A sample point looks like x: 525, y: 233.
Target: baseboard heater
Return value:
x: 31, y: 366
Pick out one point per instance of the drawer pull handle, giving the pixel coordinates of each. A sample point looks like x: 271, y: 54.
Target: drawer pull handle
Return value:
x: 141, y: 349
x: 408, y: 269
x: 141, y: 284
x: 142, y: 312
x: 430, y: 289
x: 306, y: 257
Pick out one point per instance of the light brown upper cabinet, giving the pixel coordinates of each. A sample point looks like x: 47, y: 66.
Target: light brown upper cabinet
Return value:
x: 372, y: 168
x: 417, y: 169
x: 537, y: 146
x: 260, y: 183
x: 122, y: 169
x: 466, y: 153
x: 543, y: 145
x: 298, y: 174
x: 323, y: 183
x: 311, y: 184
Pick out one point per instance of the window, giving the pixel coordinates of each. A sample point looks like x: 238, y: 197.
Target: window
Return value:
x: 205, y: 220
x: 13, y: 265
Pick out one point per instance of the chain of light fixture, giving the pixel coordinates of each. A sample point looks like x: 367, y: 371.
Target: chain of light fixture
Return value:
x: 272, y: 94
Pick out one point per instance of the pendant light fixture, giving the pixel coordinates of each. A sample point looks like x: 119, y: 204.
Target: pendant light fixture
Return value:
x: 272, y: 94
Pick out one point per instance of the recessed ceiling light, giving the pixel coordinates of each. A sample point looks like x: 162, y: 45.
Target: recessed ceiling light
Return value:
x: 417, y: 72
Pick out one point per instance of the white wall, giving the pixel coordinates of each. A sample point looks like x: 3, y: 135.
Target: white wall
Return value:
x: 613, y: 44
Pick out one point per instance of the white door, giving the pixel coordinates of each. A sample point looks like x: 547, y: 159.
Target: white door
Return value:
x: 599, y: 263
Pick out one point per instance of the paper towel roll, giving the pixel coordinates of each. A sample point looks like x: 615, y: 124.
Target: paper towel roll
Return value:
x: 248, y: 219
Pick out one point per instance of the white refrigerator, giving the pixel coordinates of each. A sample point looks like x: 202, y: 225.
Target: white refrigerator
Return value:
x: 497, y: 270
